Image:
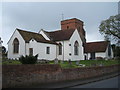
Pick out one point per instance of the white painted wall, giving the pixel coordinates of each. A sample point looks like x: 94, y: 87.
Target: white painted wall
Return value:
x: 76, y: 37
x: 40, y: 49
x: 66, y: 49
x: 98, y: 54
x: 12, y: 55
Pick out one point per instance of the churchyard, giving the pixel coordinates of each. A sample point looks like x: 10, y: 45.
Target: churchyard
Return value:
x: 69, y: 64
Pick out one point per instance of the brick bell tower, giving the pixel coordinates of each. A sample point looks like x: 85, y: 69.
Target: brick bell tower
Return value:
x: 73, y: 23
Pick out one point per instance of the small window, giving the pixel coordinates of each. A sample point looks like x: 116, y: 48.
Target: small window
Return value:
x: 31, y: 51
x: 67, y: 27
x: 69, y: 44
x: 70, y: 54
x: 60, y: 49
x: 48, y: 50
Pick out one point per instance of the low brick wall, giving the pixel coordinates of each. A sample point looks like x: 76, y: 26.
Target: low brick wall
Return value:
x: 26, y: 75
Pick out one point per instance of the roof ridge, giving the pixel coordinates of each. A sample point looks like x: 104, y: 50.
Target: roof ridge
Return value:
x: 58, y: 30
x: 52, y: 31
x: 97, y: 41
x: 38, y: 37
x: 27, y: 31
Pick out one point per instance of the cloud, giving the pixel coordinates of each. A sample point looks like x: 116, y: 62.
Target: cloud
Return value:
x: 33, y: 16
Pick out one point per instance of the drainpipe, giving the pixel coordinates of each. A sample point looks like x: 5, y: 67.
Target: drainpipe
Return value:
x: 56, y: 51
x: 63, y: 50
x: 25, y: 48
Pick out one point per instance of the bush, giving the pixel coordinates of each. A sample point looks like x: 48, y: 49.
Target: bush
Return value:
x: 28, y: 59
x: 99, y: 58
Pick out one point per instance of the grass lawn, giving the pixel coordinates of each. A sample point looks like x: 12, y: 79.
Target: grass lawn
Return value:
x: 66, y: 64
x: 87, y: 63
x: 98, y: 62
x: 11, y: 62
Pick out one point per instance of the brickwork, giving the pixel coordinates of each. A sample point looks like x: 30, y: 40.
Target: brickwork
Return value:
x: 73, y: 24
x: 20, y: 75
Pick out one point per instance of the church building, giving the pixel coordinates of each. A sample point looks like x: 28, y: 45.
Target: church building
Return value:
x: 69, y: 43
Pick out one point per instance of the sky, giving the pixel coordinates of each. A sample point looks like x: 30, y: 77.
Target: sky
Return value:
x: 33, y: 16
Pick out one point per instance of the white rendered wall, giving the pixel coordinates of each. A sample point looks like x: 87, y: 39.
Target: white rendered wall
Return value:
x: 76, y: 37
x: 27, y: 48
x: 101, y: 54
x: 12, y: 55
x: 40, y: 49
x: 98, y: 54
x: 65, y: 50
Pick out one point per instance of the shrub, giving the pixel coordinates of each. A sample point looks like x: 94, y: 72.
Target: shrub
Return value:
x: 28, y: 59
x: 99, y: 58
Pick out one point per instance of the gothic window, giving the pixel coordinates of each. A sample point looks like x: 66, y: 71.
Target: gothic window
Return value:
x: 48, y: 50
x: 76, y: 49
x: 15, y: 46
x: 60, y: 49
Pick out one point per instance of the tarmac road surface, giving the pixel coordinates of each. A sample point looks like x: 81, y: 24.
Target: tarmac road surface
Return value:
x: 107, y: 83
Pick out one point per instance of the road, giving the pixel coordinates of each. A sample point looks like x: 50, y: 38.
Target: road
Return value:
x: 111, y: 82
x: 107, y: 83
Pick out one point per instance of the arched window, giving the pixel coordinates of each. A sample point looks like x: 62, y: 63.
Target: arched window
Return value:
x: 15, y: 46
x: 67, y: 27
x: 76, y: 50
x: 60, y: 49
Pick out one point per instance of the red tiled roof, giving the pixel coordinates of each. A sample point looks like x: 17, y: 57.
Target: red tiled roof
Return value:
x: 60, y: 35
x: 27, y: 36
x: 96, y: 46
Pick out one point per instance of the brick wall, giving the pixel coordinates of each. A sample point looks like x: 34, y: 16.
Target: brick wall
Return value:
x: 20, y: 75
x: 73, y: 24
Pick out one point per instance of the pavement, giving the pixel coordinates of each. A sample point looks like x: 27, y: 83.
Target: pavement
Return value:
x: 72, y: 83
